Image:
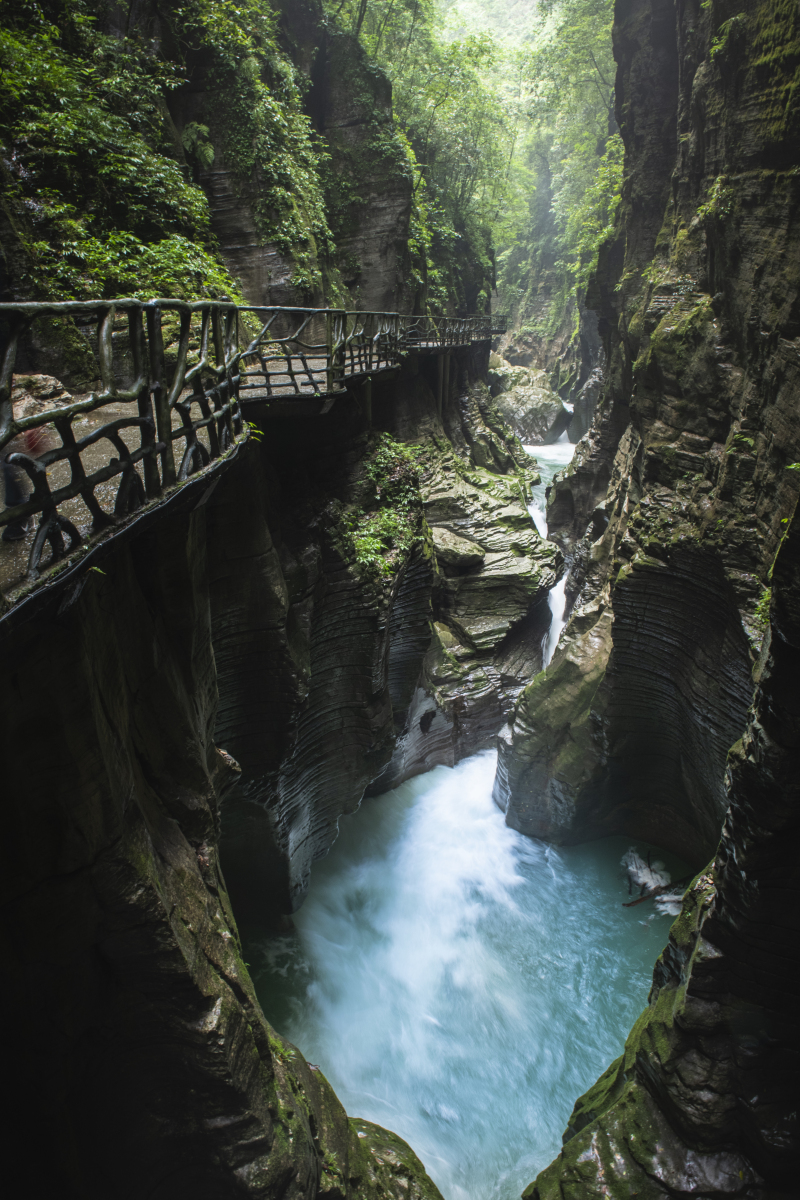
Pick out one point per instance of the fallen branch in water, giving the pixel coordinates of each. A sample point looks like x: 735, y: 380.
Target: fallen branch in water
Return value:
x: 666, y: 887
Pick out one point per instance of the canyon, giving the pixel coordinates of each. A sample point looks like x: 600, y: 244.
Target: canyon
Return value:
x: 190, y: 710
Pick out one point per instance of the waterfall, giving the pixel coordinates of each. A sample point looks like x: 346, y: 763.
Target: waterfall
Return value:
x: 551, y: 459
x: 557, y: 601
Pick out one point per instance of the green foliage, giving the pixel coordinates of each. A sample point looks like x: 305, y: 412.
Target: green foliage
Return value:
x: 590, y: 222
x: 732, y: 28
x: 761, y: 611
x: 384, y: 524
x: 121, y: 265
x: 741, y: 443
x: 567, y: 165
x: 257, y: 112
x: 194, y: 139
x: 105, y: 207
x: 720, y: 201
x: 105, y: 187
x: 457, y: 131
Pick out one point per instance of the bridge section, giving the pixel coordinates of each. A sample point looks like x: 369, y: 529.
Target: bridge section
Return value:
x: 174, y: 382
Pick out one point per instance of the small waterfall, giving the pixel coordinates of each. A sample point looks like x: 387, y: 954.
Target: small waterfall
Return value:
x: 558, y: 608
x: 551, y: 459
x: 539, y: 518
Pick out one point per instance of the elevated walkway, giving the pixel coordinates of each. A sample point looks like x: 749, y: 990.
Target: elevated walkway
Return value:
x: 175, y: 382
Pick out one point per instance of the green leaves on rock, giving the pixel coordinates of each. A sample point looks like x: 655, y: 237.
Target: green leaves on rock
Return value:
x: 382, y: 525
x: 103, y: 188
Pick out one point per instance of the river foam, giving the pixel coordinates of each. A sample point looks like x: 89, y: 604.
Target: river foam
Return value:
x: 458, y: 982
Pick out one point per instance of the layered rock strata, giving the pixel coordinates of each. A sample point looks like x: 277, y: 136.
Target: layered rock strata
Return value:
x: 335, y: 679
x: 368, y: 181
x: 492, y: 570
x: 676, y: 501
x: 304, y: 638
x: 672, y: 513
x: 527, y: 402
x: 247, y: 615
x: 141, y: 1063
x: 702, y: 1102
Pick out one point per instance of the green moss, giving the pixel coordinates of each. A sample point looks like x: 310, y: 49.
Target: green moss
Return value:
x: 682, y: 329
x: 257, y: 115
x: 377, y: 529
x: 103, y: 190
x: 720, y: 201
x: 774, y: 59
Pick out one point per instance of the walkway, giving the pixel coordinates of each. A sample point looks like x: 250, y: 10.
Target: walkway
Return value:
x: 173, y: 384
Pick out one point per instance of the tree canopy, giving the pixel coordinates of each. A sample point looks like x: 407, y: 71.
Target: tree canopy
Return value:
x: 508, y: 108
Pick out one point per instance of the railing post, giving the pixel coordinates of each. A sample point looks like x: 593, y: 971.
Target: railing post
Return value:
x: 152, y: 481
x: 6, y: 376
x: 159, y: 394
x: 329, y: 351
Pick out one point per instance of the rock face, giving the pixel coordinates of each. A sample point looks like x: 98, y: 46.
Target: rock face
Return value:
x: 369, y: 183
x: 702, y: 1101
x: 527, y: 402
x: 492, y: 570
x: 303, y: 640
x: 352, y: 102
x: 265, y: 612
x: 672, y: 513
x: 138, y: 1039
x: 673, y: 509
x: 332, y: 683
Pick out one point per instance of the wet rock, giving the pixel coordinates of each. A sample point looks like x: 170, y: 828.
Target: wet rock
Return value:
x: 629, y: 727
x: 527, y: 403
x: 454, y: 552
x: 490, y: 599
x: 584, y: 405
x: 702, y: 1100
x: 139, y: 1039
x: 676, y: 496
x: 691, y: 442
x: 34, y: 394
x: 384, y: 1166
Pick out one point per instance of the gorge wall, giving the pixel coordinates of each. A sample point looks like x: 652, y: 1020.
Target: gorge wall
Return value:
x: 216, y: 685
x: 140, y: 1060
x: 671, y: 515
x: 676, y: 501
x: 339, y: 673
x: 333, y: 613
x: 245, y: 610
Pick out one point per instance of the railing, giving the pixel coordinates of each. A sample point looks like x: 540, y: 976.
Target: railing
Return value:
x: 316, y: 351
x: 171, y: 378
x: 155, y: 400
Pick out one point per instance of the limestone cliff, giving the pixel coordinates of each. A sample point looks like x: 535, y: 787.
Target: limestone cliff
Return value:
x: 677, y: 497
x: 365, y: 179
x: 141, y: 1063
x: 702, y: 1102
x: 278, y: 606
x: 492, y: 570
x: 671, y: 514
x: 173, y: 150
x: 351, y: 664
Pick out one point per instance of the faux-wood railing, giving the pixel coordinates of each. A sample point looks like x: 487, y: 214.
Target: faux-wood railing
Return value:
x: 173, y: 379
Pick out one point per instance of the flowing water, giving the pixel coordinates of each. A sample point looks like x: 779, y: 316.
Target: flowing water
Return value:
x: 550, y: 459
x: 459, y: 983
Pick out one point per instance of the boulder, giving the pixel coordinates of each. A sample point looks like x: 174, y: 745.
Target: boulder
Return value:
x: 456, y: 553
